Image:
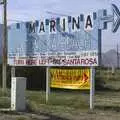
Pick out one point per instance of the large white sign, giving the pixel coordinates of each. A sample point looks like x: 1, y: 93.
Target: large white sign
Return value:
x: 65, y: 41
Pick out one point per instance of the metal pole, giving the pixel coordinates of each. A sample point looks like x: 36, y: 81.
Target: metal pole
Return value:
x: 47, y: 84
x: 92, y: 88
x: 117, y: 56
x: 4, y: 46
x: 12, y: 71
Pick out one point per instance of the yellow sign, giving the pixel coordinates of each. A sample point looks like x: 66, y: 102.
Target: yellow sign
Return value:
x: 70, y: 78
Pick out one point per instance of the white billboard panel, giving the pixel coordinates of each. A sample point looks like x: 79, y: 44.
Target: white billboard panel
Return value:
x: 56, y: 42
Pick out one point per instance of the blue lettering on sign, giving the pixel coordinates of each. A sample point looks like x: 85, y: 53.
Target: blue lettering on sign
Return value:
x: 54, y: 24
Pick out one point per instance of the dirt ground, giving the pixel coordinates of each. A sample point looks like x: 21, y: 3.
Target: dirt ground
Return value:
x: 67, y: 106
x: 78, y: 115
x: 107, y: 107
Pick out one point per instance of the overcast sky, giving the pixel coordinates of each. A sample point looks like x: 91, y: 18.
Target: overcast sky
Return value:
x: 23, y: 10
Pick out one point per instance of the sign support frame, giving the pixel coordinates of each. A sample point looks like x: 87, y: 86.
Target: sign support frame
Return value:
x: 92, y: 88
x: 12, y: 71
x: 47, y: 83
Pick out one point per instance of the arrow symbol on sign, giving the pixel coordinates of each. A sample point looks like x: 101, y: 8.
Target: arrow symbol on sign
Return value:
x: 116, y: 16
x: 85, y: 77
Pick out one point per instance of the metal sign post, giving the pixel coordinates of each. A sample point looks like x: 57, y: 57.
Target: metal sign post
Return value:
x: 92, y: 88
x: 12, y: 71
x: 47, y: 84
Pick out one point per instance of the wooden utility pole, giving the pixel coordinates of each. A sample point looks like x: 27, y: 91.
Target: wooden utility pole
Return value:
x: 4, y: 46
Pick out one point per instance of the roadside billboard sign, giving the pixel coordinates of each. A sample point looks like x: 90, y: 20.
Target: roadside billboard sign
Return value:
x: 65, y: 41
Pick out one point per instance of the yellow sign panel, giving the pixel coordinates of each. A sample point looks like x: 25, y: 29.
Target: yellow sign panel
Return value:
x: 70, y: 78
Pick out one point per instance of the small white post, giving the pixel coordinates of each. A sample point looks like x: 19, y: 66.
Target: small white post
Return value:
x: 18, y: 87
x: 92, y: 88
x: 47, y: 84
